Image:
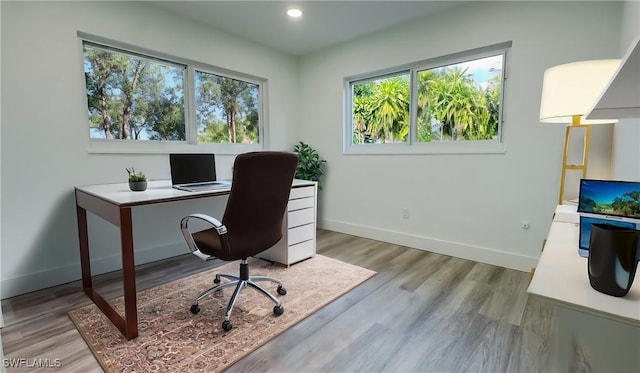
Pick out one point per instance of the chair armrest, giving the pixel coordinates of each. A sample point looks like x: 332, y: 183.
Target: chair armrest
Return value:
x: 184, y: 227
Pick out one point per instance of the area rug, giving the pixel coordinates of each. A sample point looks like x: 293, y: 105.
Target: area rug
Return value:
x: 171, y: 339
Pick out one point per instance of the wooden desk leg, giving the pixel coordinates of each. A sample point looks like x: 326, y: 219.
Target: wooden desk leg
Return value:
x: 129, y: 274
x: 83, y: 236
x: 120, y: 217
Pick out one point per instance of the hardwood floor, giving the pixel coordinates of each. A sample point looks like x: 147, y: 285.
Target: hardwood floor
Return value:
x: 422, y: 312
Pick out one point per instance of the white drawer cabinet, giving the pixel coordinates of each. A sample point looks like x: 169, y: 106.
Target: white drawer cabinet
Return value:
x: 299, y: 226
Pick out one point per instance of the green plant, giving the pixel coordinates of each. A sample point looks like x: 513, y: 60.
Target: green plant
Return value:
x: 133, y: 176
x: 310, y: 165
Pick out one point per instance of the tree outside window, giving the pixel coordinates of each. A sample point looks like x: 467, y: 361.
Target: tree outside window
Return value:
x: 381, y: 110
x: 454, y: 102
x: 460, y: 102
x: 226, y: 109
x: 132, y: 96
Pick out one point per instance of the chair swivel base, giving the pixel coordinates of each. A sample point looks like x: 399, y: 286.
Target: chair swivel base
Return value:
x: 240, y: 282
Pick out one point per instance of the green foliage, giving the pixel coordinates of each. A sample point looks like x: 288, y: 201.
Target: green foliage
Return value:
x: 133, y: 98
x: 450, y: 106
x: 459, y: 108
x: 143, y: 99
x: 230, y: 102
x: 214, y: 132
x: 381, y: 110
x: 135, y: 176
x: 628, y: 204
x: 310, y: 165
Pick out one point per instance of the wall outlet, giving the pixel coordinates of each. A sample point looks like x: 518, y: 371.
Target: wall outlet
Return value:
x: 405, y: 213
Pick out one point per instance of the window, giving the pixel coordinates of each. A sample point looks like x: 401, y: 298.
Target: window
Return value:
x: 449, y: 104
x: 381, y: 110
x: 132, y: 97
x: 138, y: 100
x: 226, y: 109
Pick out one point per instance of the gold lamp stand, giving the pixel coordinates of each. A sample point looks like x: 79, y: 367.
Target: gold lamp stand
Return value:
x: 575, y: 123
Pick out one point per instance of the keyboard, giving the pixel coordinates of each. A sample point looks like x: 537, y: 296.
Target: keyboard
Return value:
x: 203, y: 186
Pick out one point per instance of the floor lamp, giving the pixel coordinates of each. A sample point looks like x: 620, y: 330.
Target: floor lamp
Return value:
x: 568, y: 93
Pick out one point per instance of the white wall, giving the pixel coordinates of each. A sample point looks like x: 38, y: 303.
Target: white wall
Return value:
x: 44, y: 132
x: 465, y: 205
x: 469, y: 206
x: 626, y: 152
x: 1, y: 316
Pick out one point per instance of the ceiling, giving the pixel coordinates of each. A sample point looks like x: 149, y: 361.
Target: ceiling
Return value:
x: 323, y: 23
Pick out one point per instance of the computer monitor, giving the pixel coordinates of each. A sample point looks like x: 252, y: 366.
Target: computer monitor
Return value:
x: 613, y: 202
x: 613, y: 199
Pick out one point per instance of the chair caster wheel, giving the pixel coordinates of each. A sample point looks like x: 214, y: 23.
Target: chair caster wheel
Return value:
x: 216, y: 280
x: 281, y: 290
x: 194, y: 309
x: 226, y: 325
x: 278, y: 310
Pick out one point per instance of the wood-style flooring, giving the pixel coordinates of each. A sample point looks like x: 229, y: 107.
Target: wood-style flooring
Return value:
x: 422, y: 312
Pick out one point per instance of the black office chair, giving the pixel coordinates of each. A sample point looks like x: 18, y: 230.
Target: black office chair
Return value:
x: 252, y: 223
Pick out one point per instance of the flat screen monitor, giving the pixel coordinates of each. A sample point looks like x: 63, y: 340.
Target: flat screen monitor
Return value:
x: 192, y: 168
x: 585, y: 230
x: 610, y: 198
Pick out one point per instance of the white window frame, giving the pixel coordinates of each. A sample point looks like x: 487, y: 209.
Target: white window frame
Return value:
x: 412, y: 146
x: 190, y: 145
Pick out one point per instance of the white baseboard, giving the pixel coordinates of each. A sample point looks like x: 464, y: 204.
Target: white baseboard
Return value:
x: 459, y: 250
x: 40, y: 280
x: 36, y: 281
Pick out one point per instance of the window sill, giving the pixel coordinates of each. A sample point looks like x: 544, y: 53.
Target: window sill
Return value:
x: 475, y: 147
x: 166, y: 147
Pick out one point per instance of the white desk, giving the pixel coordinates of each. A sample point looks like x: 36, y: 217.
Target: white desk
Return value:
x: 113, y: 203
x: 602, y: 329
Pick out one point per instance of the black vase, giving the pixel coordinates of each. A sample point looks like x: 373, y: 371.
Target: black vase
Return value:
x: 613, y: 254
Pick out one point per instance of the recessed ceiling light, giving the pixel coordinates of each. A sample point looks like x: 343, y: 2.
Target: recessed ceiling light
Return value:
x: 294, y: 12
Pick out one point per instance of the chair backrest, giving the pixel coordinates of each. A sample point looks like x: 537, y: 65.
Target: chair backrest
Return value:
x: 258, y: 201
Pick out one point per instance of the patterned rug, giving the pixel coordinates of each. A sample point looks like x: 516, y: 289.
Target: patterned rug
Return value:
x: 171, y: 339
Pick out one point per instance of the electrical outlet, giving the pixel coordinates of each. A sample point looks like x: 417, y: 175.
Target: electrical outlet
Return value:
x: 405, y: 213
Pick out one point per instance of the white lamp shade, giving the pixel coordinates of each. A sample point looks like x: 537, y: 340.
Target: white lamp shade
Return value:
x: 572, y: 89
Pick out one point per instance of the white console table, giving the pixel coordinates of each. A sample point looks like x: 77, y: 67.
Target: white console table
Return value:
x: 593, y: 331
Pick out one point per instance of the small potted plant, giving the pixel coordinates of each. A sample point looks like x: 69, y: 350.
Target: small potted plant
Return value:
x: 137, y: 180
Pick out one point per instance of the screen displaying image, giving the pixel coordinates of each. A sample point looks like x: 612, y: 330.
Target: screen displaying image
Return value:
x: 610, y: 197
x: 585, y: 228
